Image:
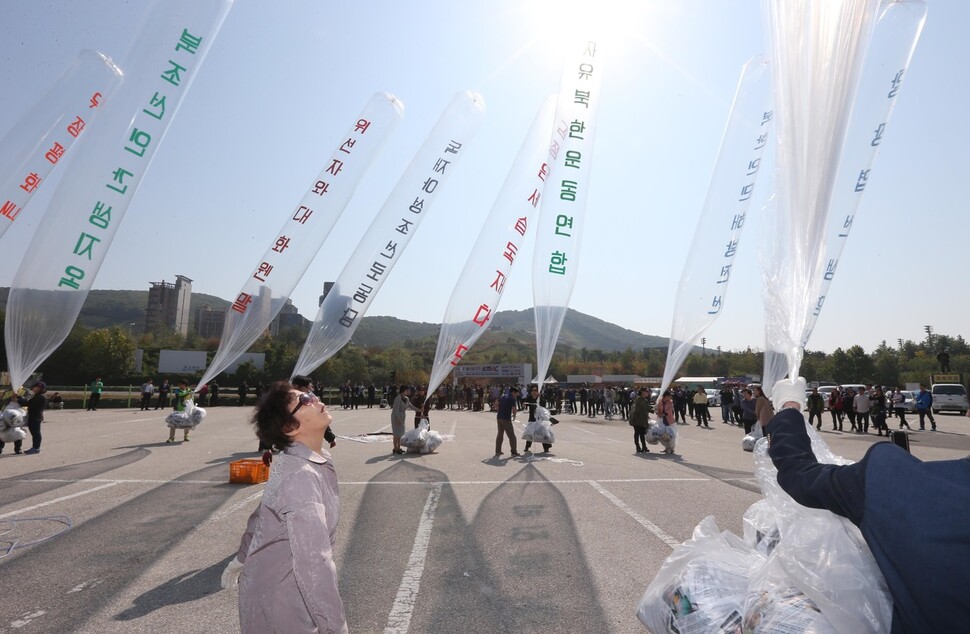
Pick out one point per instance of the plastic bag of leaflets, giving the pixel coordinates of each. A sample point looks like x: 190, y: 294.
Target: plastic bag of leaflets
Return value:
x: 540, y: 430
x: 12, y: 420
x: 415, y: 439
x: 433, y: 439
x: 804, y: 571
x: 750, y: 440
x: 824, y: 556
x: 760, y: 527
x: 702, y: 586
x: 668, y: 436
x: 13, y: 416
x: 187, y: 419
x: 775, y: 606
x: 654, y: 432
x: 196, y: 414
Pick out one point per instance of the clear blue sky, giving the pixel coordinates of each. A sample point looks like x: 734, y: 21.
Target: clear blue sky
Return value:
x: 284, y: 79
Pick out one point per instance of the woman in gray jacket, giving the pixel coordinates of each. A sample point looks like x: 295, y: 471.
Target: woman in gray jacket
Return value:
x: 289, y: 581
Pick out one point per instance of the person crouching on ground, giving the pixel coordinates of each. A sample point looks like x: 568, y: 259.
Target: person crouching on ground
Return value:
x: 288, y: 578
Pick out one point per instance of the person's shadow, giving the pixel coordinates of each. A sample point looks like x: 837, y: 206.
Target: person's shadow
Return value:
x: 183, y: 588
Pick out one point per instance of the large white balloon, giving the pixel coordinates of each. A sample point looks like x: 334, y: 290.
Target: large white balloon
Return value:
x: 43, y: 137
x: 479, y: 288
x: 62, y: 261
x: 391, y: 231
x: 306, y: 228
x: 702, y: 292
x: 836, y: 75
x: 563, y: 214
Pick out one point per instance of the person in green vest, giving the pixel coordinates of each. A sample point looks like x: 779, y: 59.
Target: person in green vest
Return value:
x: 96, y: 387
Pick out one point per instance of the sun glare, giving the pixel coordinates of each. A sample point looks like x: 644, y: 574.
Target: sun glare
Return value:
x: 559, y: 24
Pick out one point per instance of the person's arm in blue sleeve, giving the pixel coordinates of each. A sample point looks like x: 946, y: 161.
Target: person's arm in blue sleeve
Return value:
x: 836, y: 488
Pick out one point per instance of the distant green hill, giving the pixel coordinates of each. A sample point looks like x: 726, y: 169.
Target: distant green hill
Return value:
x: 104, y: 309
x: 107, y: 308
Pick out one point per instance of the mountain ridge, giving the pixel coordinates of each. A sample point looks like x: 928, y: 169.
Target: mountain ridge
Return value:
x: 124, y: 308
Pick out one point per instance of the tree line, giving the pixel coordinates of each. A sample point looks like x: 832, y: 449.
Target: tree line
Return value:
x: 109, y: 353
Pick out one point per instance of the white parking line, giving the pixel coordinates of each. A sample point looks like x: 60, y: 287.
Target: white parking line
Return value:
x: 585, y: 431
x: 454, y: 424
x: 399, y: 620
x: 56, y: 500
x: 118, y: 481
x: 647, y: 524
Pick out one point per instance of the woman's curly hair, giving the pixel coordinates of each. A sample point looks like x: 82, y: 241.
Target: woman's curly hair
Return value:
x: 273, y: 419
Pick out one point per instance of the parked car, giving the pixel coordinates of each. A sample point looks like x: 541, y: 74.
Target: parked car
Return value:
x: 909, y: 401
x: 713, y: 397
x: 951, y: 397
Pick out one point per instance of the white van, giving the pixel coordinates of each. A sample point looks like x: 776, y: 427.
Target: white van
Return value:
x: 950, y: 397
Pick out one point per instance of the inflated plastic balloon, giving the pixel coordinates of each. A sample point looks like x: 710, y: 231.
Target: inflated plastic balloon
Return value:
x: 63, y: 261
x: 702, y: 292
x: 479, y: 288
x: 42, y: 138
x: 893, y: 42
x: 391, y: 231
x: 293, y: 248
x: 563, y: 214
x: 817, y: 52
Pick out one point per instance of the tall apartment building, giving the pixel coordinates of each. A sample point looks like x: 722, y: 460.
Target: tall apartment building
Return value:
x: 168, y: 306
x: 209, y: 321
x: 288, y: 317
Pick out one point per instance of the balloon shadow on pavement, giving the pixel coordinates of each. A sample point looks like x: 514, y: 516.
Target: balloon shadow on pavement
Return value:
x: 107, y: 553
x: 536, y: 558
x: 518, y: 567
x: 382, y: 537
x: 20, y: 488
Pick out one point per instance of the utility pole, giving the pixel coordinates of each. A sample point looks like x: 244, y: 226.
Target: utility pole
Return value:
x: 703, y: 343
x: 929, y: 334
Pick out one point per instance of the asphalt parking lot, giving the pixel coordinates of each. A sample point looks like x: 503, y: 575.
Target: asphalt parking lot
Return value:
x: 134, y: 533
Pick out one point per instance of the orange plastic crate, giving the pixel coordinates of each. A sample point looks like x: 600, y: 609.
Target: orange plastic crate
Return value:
x: 248, y: 471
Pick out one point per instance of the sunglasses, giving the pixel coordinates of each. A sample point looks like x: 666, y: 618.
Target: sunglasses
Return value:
x: 305, y: 399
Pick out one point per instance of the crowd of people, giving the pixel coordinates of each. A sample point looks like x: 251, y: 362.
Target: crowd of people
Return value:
x: 284, y: 564
x: 870, y: 405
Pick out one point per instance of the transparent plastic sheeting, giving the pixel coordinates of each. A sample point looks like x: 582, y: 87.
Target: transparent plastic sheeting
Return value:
x: 42, y: 138
x: 390, y: 232
x: 563, y: 213
x: 794, y: 570
x: 817, y: 51
x: 291, y: 251
x: 893, y: 42
x: 702, y: 291
x: 63, y: 260
x: 897, y: 29
x: 479, y: 288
